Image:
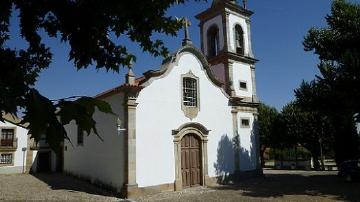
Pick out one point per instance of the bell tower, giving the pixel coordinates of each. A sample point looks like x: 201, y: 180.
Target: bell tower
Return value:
x: 226, y: 43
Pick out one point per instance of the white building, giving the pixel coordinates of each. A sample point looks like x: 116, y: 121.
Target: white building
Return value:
x: 13, y: 148
x: 45, y: 160
x: 19, y: 154
x: 192, y: 122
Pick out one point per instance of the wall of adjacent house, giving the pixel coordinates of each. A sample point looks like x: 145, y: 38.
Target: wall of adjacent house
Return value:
x: 53, y: 159
x: 102, y: 162
x: 159, y: 112
x: 18, y: 154
x: 35, y: 161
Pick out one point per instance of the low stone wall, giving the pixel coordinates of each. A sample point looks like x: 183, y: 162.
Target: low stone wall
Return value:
x: 300, y: 164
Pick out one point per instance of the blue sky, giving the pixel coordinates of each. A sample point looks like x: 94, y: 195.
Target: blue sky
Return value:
x: 278, y: 29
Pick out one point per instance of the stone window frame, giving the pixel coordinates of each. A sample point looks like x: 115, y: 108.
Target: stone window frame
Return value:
x: 15, y: 137
x: 213, y: 29
x: 190, y: 111
x: 8, y: 127
x: 202, y: 133
x: 12, y: 159
x: 241, y: 123
x: 243, y: 38
x: 246, y: 83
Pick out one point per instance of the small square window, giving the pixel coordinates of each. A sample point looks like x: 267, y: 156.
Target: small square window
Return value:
x: 243, y: 85
x: 245, y: 123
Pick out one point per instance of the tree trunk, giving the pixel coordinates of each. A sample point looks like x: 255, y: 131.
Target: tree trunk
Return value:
x: 316, y: 161
x: 262, y: 152
x: 321, y: 155
x: 296, y: 158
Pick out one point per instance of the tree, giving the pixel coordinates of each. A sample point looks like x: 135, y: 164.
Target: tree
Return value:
x: 316, y: 98
x: 310, y: 129
x: 92, y: 29
x: 266, y: 119
x: 336, y: 91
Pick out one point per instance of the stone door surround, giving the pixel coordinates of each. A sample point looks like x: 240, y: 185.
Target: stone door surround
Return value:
x: 202, y: 133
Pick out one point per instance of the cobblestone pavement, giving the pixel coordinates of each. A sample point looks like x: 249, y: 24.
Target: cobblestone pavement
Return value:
x: 273, y: 186
x: 276, y: 185
x: 49, y: 187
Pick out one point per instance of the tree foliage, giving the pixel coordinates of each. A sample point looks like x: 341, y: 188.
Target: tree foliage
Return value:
x: 336, y: 91
x: 339, y: 55
x: 310, y: 129
x: 266, y: 119
x: 93, y: 30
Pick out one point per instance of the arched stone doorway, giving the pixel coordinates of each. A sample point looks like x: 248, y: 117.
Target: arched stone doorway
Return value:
x: 190, y: 144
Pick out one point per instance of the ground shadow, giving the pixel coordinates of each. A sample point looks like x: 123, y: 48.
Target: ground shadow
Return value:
x: 278, y: 184
x: 60, y: 181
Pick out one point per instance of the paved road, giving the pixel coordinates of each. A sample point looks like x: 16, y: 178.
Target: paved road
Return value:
x: 274, y: 186
x: 49, y: 187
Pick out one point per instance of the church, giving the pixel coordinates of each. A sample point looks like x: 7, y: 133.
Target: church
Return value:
x: 190, y: 123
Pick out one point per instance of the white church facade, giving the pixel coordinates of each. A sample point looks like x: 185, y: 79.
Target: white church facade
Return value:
x: 190, y: 123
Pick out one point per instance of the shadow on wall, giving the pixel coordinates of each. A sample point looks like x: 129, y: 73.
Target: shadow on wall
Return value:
x: 224, y: 166
x: 248, y: 157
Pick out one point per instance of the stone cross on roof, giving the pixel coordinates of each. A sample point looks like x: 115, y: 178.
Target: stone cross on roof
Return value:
x: 223, y: 1
x: 186, y: 24
x: 244, y: 3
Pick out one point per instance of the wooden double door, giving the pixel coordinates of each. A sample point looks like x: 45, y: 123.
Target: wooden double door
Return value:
x: 191, y: 160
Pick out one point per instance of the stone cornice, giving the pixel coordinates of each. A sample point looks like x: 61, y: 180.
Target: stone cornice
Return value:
x: 220, y: 7
x: 187, y: 48
x: 243, y: 101
x: 142, y: 81
x: 130, y: 89
x: 224, y: 56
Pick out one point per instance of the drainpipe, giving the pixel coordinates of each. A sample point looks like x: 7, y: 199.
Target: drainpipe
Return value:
x: 23, y: 150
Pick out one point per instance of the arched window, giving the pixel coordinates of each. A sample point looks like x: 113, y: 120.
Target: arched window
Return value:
x: 213, y: 41
x: 239, y: 40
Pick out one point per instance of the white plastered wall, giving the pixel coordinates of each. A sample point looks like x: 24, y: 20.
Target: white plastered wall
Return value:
x: 18, y: 155
x: 234, y: 20
x: 35, y: 161
x: 159, y: 112
x: 247, y: 142
x: 242, y: 72
x: 208, y: 24
x: 99, y: 161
